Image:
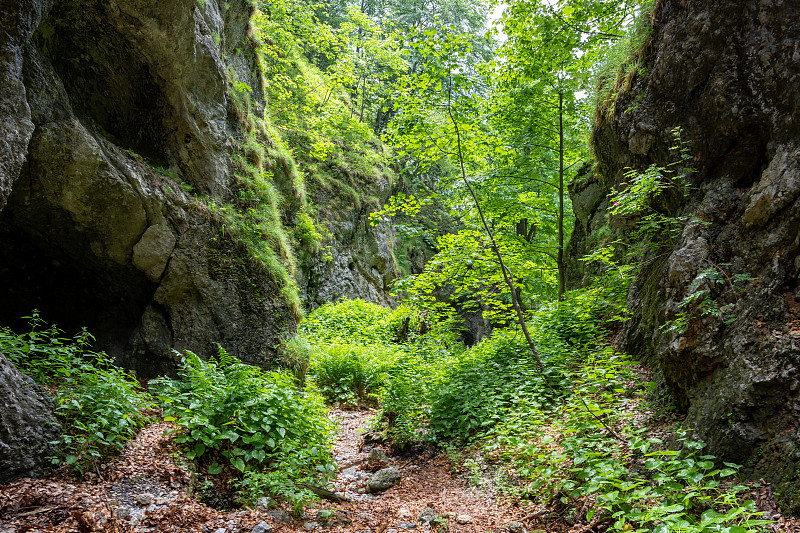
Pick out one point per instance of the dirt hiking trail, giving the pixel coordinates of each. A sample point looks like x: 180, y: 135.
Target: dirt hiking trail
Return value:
x: 148, y: 489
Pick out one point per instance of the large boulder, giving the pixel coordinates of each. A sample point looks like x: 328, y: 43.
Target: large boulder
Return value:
x: 727, y: 73
x: 27, y: 425
x: 113, y: 113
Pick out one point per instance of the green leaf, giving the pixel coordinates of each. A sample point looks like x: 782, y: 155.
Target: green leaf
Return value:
x: 214, y: 469
x: 238, y: 463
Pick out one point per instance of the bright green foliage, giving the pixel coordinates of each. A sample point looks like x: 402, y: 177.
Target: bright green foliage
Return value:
x: 354, y: 320
x: 318, y: 80
x: 257, y: 421
x: 466, y: 263
x: 478, y: 389
x: 98, y: 404
x: 350, y: 374
x: 295, y: 356
x: 486, y: 384
x: 646, y: 195
x: 357, y: 349
x: 639, y: 485
x: 404, y: 404
x: 362, y: 351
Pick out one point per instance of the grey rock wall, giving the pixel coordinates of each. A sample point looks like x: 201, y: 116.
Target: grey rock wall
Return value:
x: 108, y: 110
x: 27, y: 425
x: 728, y: 73
x: 360, y: 263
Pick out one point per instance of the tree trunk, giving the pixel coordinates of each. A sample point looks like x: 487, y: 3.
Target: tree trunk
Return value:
x: 560, y: 258
x: 509, y: 279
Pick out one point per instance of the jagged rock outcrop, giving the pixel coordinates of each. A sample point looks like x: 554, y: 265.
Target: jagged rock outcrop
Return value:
x: 728, y: 73
x: 27, y: 425
x: 110, y: 109
x: 122, y: 125
x: 360, y: 262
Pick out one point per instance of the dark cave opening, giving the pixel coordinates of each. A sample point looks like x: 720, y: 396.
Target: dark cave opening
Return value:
x: 57, y: 275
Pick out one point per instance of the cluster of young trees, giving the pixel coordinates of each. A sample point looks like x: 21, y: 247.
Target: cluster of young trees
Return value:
x: 513, y: 130
x: 489, y: 124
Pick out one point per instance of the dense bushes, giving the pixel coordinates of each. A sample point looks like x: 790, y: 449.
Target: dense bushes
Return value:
x: 99, y: 404
x: 350, y: 374
x: 226, y: 411
x: 258, y: 421
x: 354, y: 321
x: 356, y: 348
x: 569, y: 438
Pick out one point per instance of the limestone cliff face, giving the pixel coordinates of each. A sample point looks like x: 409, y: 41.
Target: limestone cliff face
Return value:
x: 728, y: 73
x: 359, y: 262
x: 110, y: 110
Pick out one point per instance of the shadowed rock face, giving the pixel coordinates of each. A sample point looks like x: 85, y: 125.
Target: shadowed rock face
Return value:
x: 107, y: 106
x: 728, y: 73
x: 27, y: 425
x: 109, y: 110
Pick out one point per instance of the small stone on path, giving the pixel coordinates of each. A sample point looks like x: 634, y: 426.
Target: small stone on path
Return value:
x: 427, y: 516
x: 377, y: 459
x: 464, y: 519
x: 310, y: 526
x: 263, y: 502
x: 514, y: 527
x: 280, y: 515
x: 404, y: 514
x: 384, y: 479
x: 144, y: 499
x: 262, y: 527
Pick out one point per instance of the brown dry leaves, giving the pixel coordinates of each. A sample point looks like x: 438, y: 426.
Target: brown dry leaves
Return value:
x: 61, y: 504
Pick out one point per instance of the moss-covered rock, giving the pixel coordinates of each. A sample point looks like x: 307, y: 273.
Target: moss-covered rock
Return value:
x: 133, y: 142
x: 725, y: 72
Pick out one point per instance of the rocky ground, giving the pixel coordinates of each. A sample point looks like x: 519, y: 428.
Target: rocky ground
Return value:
x: 148, y: 489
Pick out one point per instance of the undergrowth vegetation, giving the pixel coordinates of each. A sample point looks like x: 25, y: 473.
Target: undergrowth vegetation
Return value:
x: 576, y: 439
x: 273, y: 438
x: 99, y: 405
x: 233, y: 413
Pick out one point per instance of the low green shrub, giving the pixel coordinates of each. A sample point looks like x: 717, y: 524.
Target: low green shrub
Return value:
x: 404, y: 399
x: 482, y: 386
x: 258, y: 421
x: 295, y: 357
x: 353, y: 321
x: 349, y: 374
x: 98, y: 404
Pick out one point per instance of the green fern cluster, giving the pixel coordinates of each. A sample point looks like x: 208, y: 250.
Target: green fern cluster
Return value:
x: 257, y: 421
